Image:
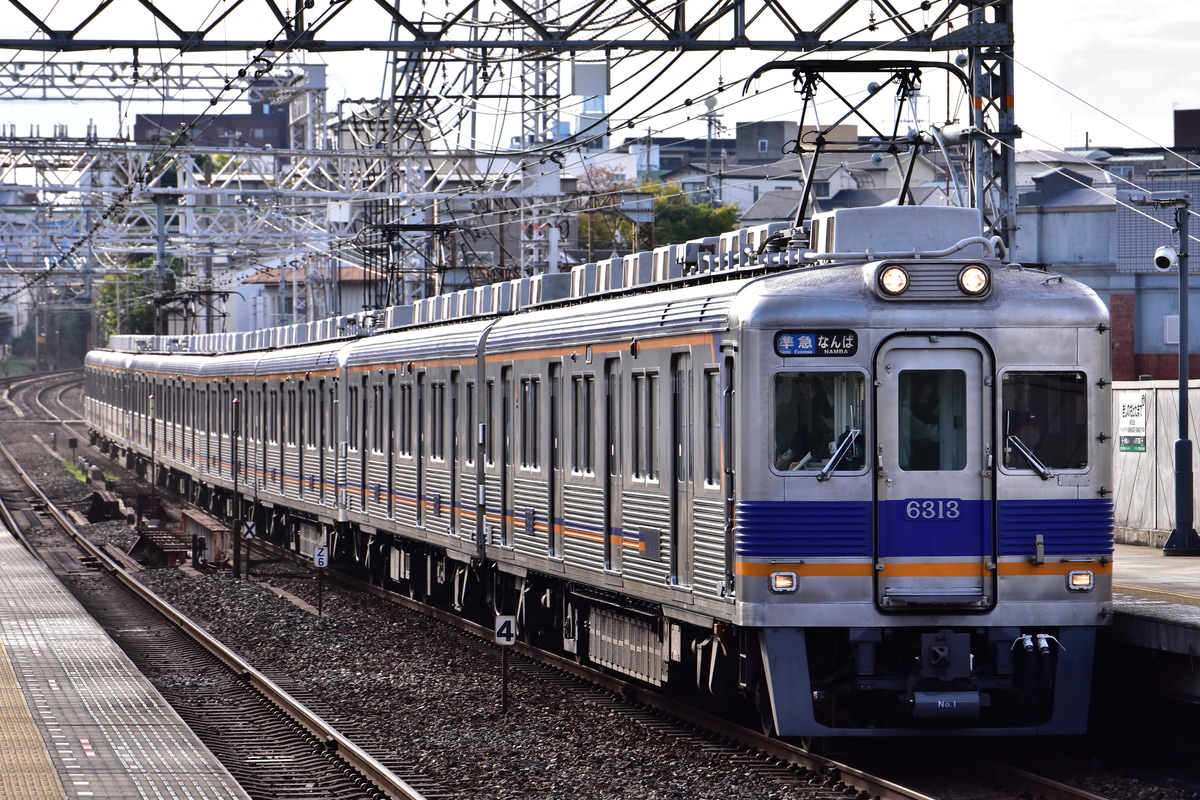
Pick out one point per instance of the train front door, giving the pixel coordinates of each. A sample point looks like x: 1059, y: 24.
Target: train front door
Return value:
x: 934, y: 544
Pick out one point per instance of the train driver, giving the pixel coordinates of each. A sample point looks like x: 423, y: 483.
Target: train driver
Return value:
x: 804, y: 424
x: 920, y: 421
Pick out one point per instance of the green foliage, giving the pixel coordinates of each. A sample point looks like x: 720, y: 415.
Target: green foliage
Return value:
x: 678, y: 220
x: 74, y: 470
x: 603, y: 228
x: 125, y: 301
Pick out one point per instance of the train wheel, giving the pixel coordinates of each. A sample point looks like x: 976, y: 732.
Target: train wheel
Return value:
x: 813, y: 744
x: 762, y: 704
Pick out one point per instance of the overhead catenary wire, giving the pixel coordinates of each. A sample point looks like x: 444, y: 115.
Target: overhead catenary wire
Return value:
x: 160, y: 160
x: 652, y: 109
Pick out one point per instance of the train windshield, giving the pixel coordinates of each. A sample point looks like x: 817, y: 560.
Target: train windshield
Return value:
x: 931, y: 423
x: 819, y: 417
x: 1045, y: 420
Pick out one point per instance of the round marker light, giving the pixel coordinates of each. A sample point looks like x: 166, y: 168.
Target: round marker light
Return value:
x: 973, y: 280
x: 893, y: 280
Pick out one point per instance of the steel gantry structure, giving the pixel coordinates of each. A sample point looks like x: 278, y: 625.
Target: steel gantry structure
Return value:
x: 81, y: 206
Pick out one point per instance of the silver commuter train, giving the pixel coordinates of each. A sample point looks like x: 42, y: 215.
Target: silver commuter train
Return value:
x: 860, y: 487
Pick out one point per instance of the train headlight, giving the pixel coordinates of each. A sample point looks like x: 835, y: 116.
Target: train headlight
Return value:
x: 973, y: 280
x: 783, y: 582
x: 1081, y: 580
x: 893, y: 280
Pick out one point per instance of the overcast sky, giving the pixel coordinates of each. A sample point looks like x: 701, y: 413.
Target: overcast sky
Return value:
x: 1129, y: 64
x: 1108, y: 72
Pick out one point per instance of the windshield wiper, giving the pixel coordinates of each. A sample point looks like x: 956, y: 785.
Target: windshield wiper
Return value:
x: 843, y: 448
x: 1033, y: 460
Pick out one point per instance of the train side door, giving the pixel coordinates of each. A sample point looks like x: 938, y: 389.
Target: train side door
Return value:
x: 390, y: 443
x: 419, y: 461
x: 320, y: 412
x: 302, y: 441
x: 554, y: 498
x: 506, y: 455
x: 681, y: 470
x: 455, y: 453
x: 934, y: 545
x: 360, y: 435
x: 613, y: 481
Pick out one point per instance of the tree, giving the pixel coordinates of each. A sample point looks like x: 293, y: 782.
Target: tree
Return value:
x: 600, y: 219
x: 126, y: 300
x: 678, y: 220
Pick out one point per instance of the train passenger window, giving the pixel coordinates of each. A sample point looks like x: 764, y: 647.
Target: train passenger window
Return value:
x: 506, y: 418
x: 1044, y: 419
x: 932, y: 410
x: 311, y: 419
x: 612, y: 415
x: 530, y: 388
x: 332, y: 437
x: 712, y: 427
x: 469, y: 425
x: 437, y: 421
x: 406, y: 419
x: 291, y: 416
x: 815, y: 414
x: 489, y: 451
x: 378, y: 410
x: 273, y: 416
x: 582, y: 389
x: 645, y: 425
x: 352, y: 417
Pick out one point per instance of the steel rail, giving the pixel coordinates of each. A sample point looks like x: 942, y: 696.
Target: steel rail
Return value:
x: 365, y: 763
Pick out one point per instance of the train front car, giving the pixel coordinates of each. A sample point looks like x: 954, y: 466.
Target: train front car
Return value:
x: 923, y: 527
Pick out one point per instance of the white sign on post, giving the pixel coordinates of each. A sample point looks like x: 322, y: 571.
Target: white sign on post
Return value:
x: 506, y: 630
x: 1131, y: 429
x: 321, y: 557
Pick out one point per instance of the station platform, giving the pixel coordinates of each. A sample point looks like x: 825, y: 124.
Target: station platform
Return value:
x: 77, y: 720
x: 1155, y: 631
x: 1144, y: 572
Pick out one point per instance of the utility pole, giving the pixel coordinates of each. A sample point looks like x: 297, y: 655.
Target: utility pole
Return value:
x: 1183, y: 540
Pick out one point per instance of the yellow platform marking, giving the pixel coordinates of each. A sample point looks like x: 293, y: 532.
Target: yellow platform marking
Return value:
x: 1180, y: 598
x: 26, y: 772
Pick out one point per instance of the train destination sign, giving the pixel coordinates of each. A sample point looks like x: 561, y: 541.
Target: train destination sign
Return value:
x: 834, y: 342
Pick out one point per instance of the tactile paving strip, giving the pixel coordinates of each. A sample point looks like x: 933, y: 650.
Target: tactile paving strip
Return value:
x: 25, y: 767
x: 104, y: 729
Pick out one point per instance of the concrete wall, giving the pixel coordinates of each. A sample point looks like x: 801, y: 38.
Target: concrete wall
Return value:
x: 1062, y: 237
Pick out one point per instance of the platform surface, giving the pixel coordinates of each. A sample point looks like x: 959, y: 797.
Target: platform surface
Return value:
x: 77, y: 720
x: 1146, y: 572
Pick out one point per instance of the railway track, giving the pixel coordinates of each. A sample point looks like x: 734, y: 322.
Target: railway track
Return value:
x: 210, y: 707
x: 275, y: 746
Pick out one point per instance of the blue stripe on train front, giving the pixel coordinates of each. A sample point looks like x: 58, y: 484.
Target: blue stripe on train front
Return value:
x: 1067, y: 526
x: 931, y: 527
x: 795, y: 530
x: 798, y: 530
